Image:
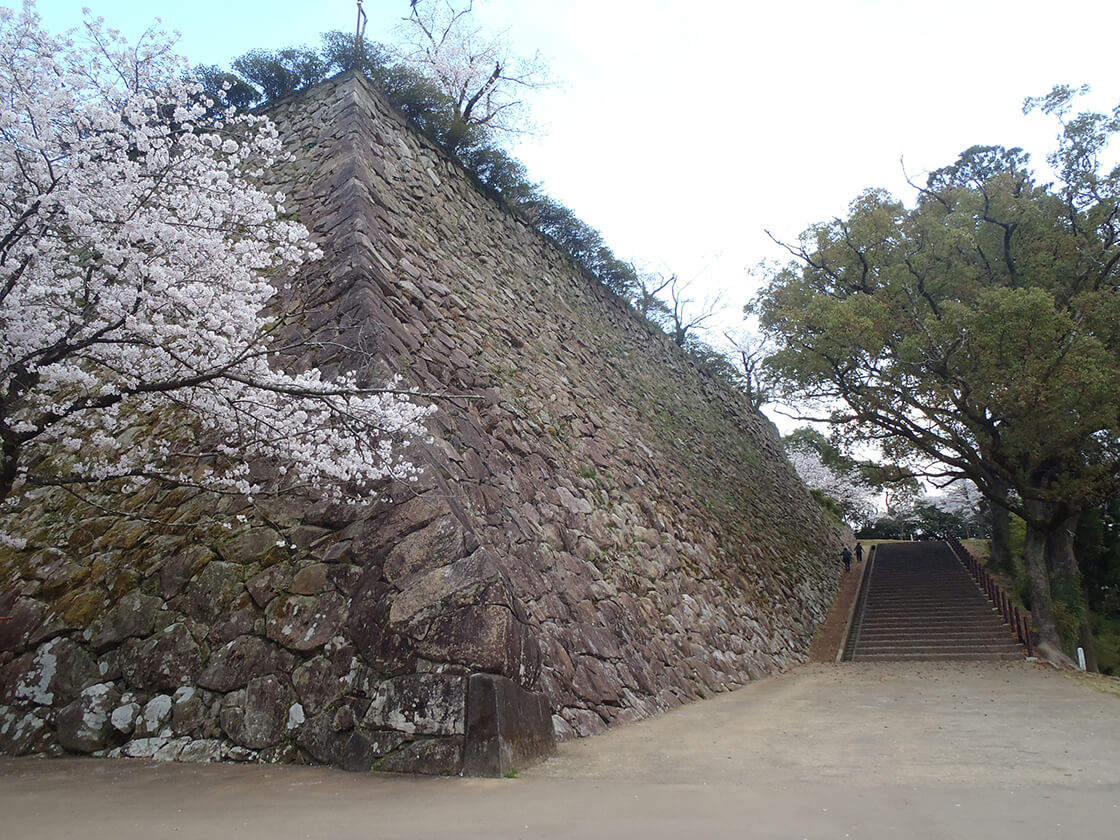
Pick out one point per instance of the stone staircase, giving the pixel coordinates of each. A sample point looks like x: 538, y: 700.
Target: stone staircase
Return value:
x: 919, y: 603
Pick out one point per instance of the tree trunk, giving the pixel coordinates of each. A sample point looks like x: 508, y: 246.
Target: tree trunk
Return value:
x: 1066, y: 584
x: 1038, y: 581
x: 9, y: 460
x: 1000, y: 522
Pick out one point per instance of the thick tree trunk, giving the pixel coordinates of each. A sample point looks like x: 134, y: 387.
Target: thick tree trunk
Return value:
x: 1000, y: 521
x: 1065, y: 582
x: 1038, y: 582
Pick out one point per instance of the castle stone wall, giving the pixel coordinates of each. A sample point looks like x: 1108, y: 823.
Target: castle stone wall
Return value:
x: 600, y: 532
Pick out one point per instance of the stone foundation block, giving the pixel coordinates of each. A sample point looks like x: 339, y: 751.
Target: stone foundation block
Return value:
x: 508, y: 728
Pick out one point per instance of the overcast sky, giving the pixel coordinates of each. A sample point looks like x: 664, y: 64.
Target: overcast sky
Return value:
x: 683, y: 130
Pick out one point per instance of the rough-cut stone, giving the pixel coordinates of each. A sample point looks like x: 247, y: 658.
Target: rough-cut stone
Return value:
x: 401, y: 520
x: 419, y: 704
x: 386, y: 651
x: 265, y: 586
x: 319, y: 682
x: 202, y: 751
x: 344, y: 577
x: 235, y: 663
x: 83, y: 726
x: 602, y: 522
x: 360, y: 750
x: 191, y: 710
x: 426, y: 595
x: 51, y: 676
x: 431, y: 757
x: 22, y: 732
x: 207, y: 595
x: 507, y: 727
x: 144, y: 747
x: 180, y: 567
x: 24, y: 618
x: 123, y: 718
x: 241, y: 618
x: 480, y: 637
x: 303, y: 622
x: 256, y: 716
x: 155, y: 717
x: 439, y: 544
x: 133, y: 615
x: 321, y: 740
x: 253, y: 545
x: 310, y: 580
x: 238, y: 753
x: 162, y: 662
x: 171, y: 750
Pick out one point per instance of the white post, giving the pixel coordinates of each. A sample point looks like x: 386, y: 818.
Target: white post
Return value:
x: 1081, y: 658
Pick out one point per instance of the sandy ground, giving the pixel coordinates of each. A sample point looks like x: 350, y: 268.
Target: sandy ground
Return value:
x: 825, y: 751
x: 832, y: 632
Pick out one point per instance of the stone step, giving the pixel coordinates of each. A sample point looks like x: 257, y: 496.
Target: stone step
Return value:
x: 967, y: 614
x: 904, y: 633
x: 935, y: 656
x: 981, y: 622
x: 930, y: 598
x: 921, y: 604
x: 863, y: 649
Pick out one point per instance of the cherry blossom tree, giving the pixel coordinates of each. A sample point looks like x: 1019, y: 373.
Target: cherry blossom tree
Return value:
x: 477, y: 71
x: 148, y: 287
x: 855, y: 498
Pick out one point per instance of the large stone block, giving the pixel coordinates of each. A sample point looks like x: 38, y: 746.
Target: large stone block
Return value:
x: 214, y: 587
x: 508, y: 728
x: 162, y: 662
x: 320, y: 681
x: 429, y: 757
x: 23, y: 732
x: 257, y: 715
x: 83, y: 726
x: 419, y: 704
x: 51, y: 676
x: 438, y: 544
x: 134, y: 615
x: 233, y: 664
x: 386, y: 651
x: 305, y: 622
x: 23, y: 618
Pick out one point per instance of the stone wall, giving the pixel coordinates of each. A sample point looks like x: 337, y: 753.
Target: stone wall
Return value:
x: 601, y: 531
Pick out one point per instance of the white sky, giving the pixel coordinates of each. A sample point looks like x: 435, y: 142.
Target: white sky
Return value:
x: 683, y: 129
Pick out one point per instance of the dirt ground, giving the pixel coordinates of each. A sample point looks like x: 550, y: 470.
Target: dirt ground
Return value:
x: 826, y: 644
x: 824, y: 751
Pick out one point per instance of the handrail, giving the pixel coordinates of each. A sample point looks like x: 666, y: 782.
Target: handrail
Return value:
x: 1018, y: 620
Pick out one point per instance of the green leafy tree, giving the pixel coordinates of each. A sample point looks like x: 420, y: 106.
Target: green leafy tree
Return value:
x: 977, y: 332
x: 1098, y: 544
x: 225, y: 89
x: 279, y: 73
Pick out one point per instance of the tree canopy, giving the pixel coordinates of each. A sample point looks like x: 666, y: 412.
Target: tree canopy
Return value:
x: 976, y: 332
x: 477, y: 71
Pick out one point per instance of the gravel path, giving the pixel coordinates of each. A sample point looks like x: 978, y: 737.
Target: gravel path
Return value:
x: 1014, y: 751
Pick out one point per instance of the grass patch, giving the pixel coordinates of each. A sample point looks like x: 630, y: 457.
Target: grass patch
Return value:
x: 1106, y: 641
x: 980, y: 549
x: 1099, y: 682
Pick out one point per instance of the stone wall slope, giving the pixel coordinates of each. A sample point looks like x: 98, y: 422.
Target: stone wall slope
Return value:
x: 645, y: 515
x: 600, y: 531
